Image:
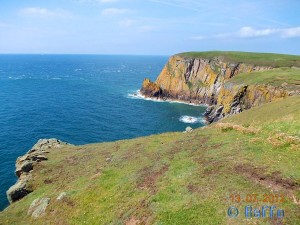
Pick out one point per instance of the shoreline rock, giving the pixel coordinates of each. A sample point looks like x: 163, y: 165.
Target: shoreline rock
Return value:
x: 26, y: 163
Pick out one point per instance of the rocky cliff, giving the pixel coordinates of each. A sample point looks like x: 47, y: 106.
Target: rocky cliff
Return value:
x: 208, y: 81
x: 26, y: 163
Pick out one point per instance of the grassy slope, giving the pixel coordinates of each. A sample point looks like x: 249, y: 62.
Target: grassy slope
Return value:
x: 175, y: 178
x: 259, y: 59
x: 275, y: 77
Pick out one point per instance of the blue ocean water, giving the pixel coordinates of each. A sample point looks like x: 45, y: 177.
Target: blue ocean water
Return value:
x: 79, y: 99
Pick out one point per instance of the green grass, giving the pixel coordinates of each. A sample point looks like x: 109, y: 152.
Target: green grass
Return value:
x: 173, y: 178
x: 276, y: 77
x: 259, y: 59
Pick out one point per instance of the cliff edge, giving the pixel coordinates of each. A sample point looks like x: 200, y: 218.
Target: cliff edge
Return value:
x: 210, y: 78
x: 25, y: 165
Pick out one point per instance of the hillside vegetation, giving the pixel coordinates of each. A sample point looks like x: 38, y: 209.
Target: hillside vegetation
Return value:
x: 258, y: 59
x: 288, y: 78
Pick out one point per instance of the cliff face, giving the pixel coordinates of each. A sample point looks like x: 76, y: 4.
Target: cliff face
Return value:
x: 25, y: 165
x: 233, y: 99
x: 207, y: 81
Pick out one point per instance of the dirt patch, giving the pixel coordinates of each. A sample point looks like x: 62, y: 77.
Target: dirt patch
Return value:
x: 193, y: 188
x: 72, y: 160
x: 204, y: 140
x: 69, y: 202
x: 215, y: 146
x: 142, y: 214
x: 212, y: 167
x: 129, y: 155
x: 149, y: 178
x: 48, y: 181
x: 177, y: 147
x: 132, y: 221
x: 275, y: 181
x: 276, y: 221
x: 133, y: 153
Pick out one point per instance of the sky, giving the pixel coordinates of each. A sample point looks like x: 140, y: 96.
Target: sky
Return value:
x: 148, y: 27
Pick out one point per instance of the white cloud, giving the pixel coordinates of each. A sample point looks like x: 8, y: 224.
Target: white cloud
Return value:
x: 290, y: 32
x: 200, y: 37
x: 250, y: 32
x: 43, y: 12
x: 246, y: 32
x: 147, y: 28
x: 127, y: 23
x: 114, y: 11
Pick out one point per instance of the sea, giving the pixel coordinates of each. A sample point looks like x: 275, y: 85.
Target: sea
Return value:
x: 80, y: 99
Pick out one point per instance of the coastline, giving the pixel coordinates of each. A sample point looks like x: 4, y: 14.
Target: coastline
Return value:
x: 204, y: 119
x: 139, y: 95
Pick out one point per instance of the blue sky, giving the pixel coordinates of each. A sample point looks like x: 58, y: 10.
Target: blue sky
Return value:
x: 156, y: 27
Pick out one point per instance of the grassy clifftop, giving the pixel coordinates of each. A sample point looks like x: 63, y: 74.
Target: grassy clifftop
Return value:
x: 258, y: 59
x: 288, y: 78
x: 176, y: 178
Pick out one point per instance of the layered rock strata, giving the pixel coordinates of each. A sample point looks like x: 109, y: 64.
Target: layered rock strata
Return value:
x: 207, y: 81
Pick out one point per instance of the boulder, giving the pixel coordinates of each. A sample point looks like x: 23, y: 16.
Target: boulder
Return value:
x: 38, y: 207
x: 188, y: 129
x: 24, y: 167
x: 39, y: 158
x: 61, y: 196
x: 19, y: 190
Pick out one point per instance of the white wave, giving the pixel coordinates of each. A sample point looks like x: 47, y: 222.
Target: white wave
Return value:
x: 16, y: 78
x: 55, y: 78
x: 137, y: 95
x: 191, y: 119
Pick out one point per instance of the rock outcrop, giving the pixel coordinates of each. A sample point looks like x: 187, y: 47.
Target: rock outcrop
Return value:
x: 26, y: 163
x: 188, y: 130
x: 233, y: 99
x: 38, y: 207
x: 151, y: 89
x: 207, y: 81
x: 61, y: 196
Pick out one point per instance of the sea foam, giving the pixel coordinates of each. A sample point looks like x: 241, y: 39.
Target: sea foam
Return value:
x: 137, y: 95
x: 191, y: 119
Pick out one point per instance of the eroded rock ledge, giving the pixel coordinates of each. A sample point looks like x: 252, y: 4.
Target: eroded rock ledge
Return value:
x: 26, y: 163
x: 207, y: 81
